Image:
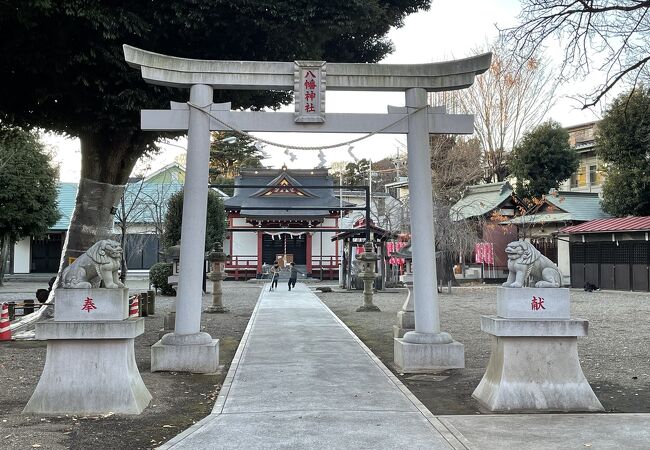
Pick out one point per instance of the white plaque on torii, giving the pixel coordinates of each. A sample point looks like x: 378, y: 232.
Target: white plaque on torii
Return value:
x: 308, y: 80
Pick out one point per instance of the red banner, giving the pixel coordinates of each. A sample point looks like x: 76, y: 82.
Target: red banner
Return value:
x: 484, y: 253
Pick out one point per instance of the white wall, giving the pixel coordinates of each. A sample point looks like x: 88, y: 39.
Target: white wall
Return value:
x: 240, y: 222
x: 22, y: 256
x: 244, y: 243
x: 329, y: 247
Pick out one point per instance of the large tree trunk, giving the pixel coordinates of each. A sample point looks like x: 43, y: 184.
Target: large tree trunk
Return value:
x: 106, y: 162
x: 107, y: 159
x: 4, y: 255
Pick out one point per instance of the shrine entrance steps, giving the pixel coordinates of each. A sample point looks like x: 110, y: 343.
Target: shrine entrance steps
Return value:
x: 302, y: 380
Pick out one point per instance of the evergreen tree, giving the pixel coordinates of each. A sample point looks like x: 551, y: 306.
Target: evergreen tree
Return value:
x: 28, y: 191
x: 64, y: 69
x: 623, y: 140
x: 542, y: 160
x: 230, y: 152
x: 215, y: 224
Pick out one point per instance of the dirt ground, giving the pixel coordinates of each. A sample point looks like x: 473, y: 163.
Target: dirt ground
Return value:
x: 179, y: 399
x: 615, y: 359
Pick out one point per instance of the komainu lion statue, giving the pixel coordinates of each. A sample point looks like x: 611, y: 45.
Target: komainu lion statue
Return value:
x: 100, y: 263
x: 528, y: 266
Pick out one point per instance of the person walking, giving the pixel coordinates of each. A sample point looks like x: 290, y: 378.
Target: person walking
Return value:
x: 275, y: 274
x: 293, y: 276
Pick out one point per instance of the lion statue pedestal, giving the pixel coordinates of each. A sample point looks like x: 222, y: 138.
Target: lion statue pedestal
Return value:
x: 534, y: 364
x: 90, y: 365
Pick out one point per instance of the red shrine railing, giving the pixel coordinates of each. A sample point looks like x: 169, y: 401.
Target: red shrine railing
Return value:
x: 241, y: 266
x: 244, y: 267
x: 325, y: 267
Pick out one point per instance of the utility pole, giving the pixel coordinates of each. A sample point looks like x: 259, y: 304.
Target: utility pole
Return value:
x: 370, y: 182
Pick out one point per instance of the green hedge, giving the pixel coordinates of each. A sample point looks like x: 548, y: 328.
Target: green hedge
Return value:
x: 158, y: 277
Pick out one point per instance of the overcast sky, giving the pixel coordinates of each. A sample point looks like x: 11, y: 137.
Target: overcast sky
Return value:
x: 450, y: 30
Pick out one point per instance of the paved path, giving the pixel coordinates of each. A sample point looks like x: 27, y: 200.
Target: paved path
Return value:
x: 302, y: 380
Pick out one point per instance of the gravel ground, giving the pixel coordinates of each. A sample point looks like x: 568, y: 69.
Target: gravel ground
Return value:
x: 615, y: 359
x: 615, y: 356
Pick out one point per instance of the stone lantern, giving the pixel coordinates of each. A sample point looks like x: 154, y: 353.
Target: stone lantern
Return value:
x: 217, y: 260
x: 368, y: 260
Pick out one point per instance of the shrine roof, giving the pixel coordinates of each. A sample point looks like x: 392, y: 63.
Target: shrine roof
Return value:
x: 480, y: 199
x: 620, y: 224
x: 280, y: 189
x: 564, y: 207
x: 379, y: 233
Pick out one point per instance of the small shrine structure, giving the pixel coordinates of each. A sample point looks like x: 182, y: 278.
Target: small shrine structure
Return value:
x: 280, y: 230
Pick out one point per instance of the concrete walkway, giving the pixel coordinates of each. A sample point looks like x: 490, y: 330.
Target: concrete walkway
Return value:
x: 302, y: 380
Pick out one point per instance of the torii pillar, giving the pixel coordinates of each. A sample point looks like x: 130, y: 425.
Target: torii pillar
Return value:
x: 187, y: 348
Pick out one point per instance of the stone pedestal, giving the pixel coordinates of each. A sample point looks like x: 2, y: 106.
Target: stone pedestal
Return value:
x: 91, y: 304
x: 90, y: 364
x: 533, y: 303
x: 169, y: 321
x: 427, y: 357
x: 195, y: 353
x: 534, y: 363
x: 405, y: 316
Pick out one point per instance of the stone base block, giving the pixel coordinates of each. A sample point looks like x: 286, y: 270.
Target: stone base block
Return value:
x: 533, y: 303
x: 91, y: 304
x: 169, y: 321
x: 368, y: 308
x: 407, y: 278
x: 89, y: 376
x: 418, y: 358
x: 533, y: 373
x: 110, y: 329
x: 498, y: 326
x: 399, y: 332
x: 195, y: 358
x: 406, y: 319
x: 216, y: 310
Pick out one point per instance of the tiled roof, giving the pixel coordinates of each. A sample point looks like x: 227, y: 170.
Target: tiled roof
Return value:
x: 540, y: 218
x: 480, y: 199
x: 67, y: 195
x: 146, y: 199
x: 567, y: 207
x: 610, y: 225
x: 581, y: 205
x: 245, y: 198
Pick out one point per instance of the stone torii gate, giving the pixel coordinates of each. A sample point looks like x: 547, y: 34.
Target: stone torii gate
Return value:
x: 187, y: 348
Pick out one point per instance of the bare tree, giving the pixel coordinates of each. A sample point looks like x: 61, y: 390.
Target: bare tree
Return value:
x: 506, y: 101
x: 143, y: 205
x: 453, y: 165
x: 129, y: 211
x: 612, y: 36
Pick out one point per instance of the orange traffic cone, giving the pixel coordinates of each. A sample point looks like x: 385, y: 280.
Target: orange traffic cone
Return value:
x: 5, y: 331
x: 134, y: 310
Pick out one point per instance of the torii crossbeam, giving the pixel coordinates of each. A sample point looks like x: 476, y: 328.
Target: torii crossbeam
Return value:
x: 425, y: 348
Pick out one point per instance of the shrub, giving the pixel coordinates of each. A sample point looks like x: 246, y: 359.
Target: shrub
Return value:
x: 158, y: 277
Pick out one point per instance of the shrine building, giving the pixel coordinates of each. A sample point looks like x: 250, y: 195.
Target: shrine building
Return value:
x: 261, y: 200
